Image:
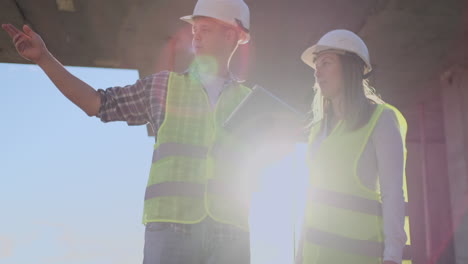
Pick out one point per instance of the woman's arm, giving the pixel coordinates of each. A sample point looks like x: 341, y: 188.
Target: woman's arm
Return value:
x: 390, y: 163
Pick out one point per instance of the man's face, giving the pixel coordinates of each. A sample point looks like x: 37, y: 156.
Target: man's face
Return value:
x: 210, y: 37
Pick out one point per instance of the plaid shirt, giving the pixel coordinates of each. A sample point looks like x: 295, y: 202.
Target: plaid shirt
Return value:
x: 137, y: 104
x: 143, y: 102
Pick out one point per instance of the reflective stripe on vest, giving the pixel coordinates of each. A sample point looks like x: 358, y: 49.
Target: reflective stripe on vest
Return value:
x: 190, y: 189
x: 346, y: 201
x: 172, y: 149
x: 355, y: 246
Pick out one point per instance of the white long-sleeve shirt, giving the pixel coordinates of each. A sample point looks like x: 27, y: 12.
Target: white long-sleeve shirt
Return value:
x: 383, y: 158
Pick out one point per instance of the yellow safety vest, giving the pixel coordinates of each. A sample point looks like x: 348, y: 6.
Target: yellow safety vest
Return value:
x: 191, y: 175
x: 343, y: 221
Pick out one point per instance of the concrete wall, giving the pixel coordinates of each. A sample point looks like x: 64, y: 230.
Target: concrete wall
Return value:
x: 428, y: 184
x: 455, y: 105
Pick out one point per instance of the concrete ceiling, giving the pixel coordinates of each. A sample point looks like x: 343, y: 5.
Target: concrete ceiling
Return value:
x: 411, y: 42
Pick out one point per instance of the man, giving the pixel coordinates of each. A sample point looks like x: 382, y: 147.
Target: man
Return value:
x: 197, y: 198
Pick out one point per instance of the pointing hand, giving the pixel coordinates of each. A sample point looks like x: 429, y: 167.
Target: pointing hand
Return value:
x: 27, y: 42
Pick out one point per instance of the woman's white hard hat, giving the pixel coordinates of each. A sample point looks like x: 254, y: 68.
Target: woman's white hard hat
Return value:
x: 339, y: 40
x: 233, y: 12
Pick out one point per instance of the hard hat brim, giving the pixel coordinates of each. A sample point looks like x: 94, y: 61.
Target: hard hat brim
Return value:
x: 188, y: 19
x: 309, y: 55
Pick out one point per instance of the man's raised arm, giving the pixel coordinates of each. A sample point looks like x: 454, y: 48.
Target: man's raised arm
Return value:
x: 31, y: 47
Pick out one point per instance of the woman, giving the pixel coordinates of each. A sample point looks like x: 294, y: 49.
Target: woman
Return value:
x: 355, y: 211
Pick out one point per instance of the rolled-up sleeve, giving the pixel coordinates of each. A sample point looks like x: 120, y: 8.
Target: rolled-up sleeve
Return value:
x: 136, y: 104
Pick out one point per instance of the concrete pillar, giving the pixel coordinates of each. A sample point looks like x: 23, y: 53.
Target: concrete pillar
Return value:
x: 455, y: 106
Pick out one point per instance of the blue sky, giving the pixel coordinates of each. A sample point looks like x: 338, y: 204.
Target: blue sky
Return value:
x: 72, y: 187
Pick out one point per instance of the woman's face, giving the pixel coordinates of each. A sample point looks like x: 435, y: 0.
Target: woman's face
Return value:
x: 329, y: 74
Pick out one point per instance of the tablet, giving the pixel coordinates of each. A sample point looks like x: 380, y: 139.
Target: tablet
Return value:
x: 260, y: 111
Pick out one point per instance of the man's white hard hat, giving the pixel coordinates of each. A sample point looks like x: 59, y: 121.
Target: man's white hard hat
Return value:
x: 340, y: 40
x: 233, y: 12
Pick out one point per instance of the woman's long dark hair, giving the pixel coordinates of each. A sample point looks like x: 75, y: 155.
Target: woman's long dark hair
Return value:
x: 359, y: 96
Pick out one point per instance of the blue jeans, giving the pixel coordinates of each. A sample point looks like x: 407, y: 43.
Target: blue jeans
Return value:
x: 207, y: 242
